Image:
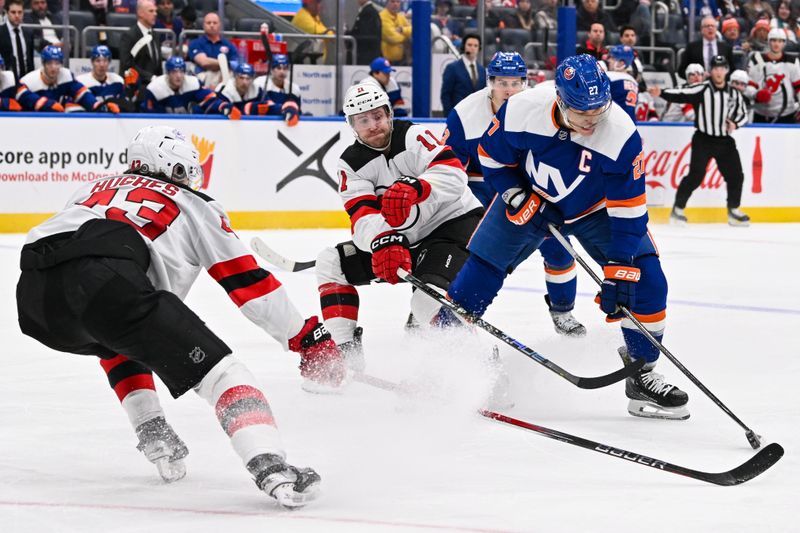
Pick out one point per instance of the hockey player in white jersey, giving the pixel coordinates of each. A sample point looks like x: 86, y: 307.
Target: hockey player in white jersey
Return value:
x: 776, y: 78
x: 107, y: 276
x: 685, y: 112
x: 466, y: 124
x: 8, y: 89
x: 409, y: 205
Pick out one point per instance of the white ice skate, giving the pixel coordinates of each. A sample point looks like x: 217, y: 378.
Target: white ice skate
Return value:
x: 292, y: 487
x: 161, y: 446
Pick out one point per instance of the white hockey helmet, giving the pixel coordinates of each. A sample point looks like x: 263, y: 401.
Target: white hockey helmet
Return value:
x: 740, y: 76
x: 163, y: 150
x: 776, y: 33
x: 365, y: 97
x: 694, y: 68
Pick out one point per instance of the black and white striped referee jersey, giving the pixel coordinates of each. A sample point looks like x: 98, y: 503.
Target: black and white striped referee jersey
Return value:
x: 712, y: 106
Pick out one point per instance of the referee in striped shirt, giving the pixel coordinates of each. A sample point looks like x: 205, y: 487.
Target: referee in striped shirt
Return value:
x: 719, y: 110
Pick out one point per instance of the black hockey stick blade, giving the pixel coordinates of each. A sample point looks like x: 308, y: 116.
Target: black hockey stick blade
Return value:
x: 274, y: 258
x: 753, y: 467
x: 580, y: 382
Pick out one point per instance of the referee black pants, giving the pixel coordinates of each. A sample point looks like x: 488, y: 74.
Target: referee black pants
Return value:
x: 723, y: 150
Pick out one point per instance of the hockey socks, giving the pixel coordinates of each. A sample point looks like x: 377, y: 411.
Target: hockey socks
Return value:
x: 242, y: 409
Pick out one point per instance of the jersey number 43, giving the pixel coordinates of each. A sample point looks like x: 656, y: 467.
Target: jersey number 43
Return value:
x: 157, y: 221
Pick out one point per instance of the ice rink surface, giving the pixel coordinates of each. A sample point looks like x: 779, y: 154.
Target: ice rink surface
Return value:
x: 68, y: 460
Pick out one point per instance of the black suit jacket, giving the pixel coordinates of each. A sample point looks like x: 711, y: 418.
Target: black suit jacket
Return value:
x: 694, y: 54
x: 38, y: 38
x: 7, y: 50
x: 143, y: 62
x: 367, y: 32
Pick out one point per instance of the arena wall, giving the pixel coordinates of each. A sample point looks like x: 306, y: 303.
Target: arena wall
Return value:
x: 268, y: 175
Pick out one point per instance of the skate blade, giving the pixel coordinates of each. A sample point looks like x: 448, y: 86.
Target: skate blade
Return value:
x: 576, y: 333
x: 677, y: 222
x: 287, y: 497
x: 651, y: 410
x: 170, y: 471
x: 738, y: 224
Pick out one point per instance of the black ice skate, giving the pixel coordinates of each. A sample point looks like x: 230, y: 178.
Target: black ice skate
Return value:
x: 736, y: 217
x: 162, y: 447
x: 290, y: 486
x: 652, y: 397
x: 565, y: 323
x: 678, y: 217
x: 411, y: 324
x: 353, y: 352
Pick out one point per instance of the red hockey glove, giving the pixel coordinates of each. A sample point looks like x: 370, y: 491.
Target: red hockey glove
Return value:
x: 131, y: 76
x: 618, y: 289
x: 320, y: 358
x: 525, y: 207
x: 291, y: 113
x: 390, y: 252
x: 13, y: 105
x: 398, y: 199
x: 763, y: 96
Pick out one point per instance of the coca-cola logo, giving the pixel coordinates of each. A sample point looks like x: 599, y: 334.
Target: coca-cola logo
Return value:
x: 666, y: 168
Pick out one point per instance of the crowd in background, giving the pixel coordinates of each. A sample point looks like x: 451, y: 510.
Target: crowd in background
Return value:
x: 740, y: 31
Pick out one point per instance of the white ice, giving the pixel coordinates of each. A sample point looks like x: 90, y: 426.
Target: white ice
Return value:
x: 68, y: 460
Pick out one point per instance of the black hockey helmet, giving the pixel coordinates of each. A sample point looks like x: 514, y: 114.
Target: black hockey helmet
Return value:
x: 719, y: 61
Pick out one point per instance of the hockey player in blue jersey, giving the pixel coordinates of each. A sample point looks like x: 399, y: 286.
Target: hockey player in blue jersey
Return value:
x: 245, y: 95
x: 277, y: 91
x: 8, y: 89
x: 466, y: 124
x: 105, y: 86
x: 54, y: 88
x: 569, y: 156
x: 181, y: 93
x: 624, y: 89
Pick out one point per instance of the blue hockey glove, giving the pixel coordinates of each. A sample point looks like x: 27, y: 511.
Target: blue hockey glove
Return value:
x: 527, y: 207
x: 618, y: 289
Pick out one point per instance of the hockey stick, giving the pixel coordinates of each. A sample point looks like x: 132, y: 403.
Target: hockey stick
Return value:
x: 581, y: 382
x: 274, y: 258
x: 224, y: 68
x: 755, y: 466
x: 752, y: 438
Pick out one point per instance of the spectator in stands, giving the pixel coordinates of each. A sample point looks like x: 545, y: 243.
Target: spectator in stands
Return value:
x: 463, y: 77
x: 395, y: 33
x: 277, y: 91
x: 635, y: 13
x: 206, y: 49
x: 522, y: 18
x: 731, y: 8
x: 704, y: 49
x: 451, y: 28
x: 308, y: 20
x: 380, y: 74
x: 628, y: 37
x: 547, y: 16
x: 123, y: 6
x: 40, y: 15
x: 54, y: 88
x: 731, y: 35
x: 759, y: 35
x: 16, y: 44
x: 589, y: 13
x: 181, y: 93
x: 367, y: 32
x: 167, y: 19
x: 2, y: 11
x: 105, y: 86
x: 8, y: 89
x: 594, y: 44
x: 189, y: 17
x: 702, y: 8
x: 755, y: 10
x: 138, y: 51
x: 785, y: 21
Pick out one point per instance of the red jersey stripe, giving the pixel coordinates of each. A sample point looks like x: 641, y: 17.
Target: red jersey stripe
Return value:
x: 256, y: 290
x: 232, y: 267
